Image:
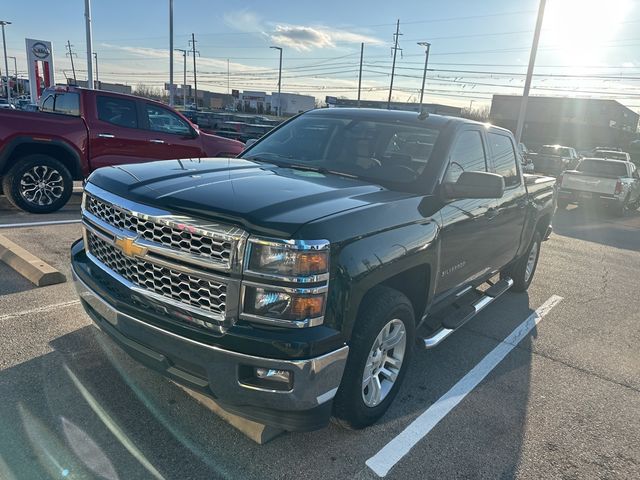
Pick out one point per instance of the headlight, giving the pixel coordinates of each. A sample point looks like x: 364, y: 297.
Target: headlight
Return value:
x: 284, y: 306
x: 294, y: 261
x: 274, y: 274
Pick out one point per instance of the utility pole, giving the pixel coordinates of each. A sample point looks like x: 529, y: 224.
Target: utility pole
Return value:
x: 87, y: 17
x: 6, y: 63
x: 228, y: 78
x: 71, y: 54
x: 184, y: 85
x: 427, y: 46
x: 360, y: 74
x: 95, y: 57
x: 532, y: 60
x: 171, y: 53
x: 15, y: 71
x: 195, y: 78
x: 279, y: 81
x: 393, y: 67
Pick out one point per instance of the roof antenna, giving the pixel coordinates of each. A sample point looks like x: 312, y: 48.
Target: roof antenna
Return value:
x: 423, y: 113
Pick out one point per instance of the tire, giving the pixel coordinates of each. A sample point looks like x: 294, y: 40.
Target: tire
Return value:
x: 562, y: 204
x: 518, y: 271
x: 382, y: 306
x: 52, y: 184
x: 620, y: 209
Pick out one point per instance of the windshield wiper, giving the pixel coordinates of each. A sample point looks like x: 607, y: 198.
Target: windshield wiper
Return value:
x: 320, y: 170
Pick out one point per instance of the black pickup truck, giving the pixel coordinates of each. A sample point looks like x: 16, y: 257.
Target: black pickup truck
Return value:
x: 292, y: 283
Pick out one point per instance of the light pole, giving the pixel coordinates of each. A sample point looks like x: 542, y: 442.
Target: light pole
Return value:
x: 171, y: 53
x: 427, y: 46
x: 95, y: 57
x: 184, y: 85
x: 279, y: 81
x: 527, y: 83
x: 6, y: 63
x: 87, y: 19
x: 15, y: 70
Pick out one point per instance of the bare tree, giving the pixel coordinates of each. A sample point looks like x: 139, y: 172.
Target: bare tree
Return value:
x: 480, y: 114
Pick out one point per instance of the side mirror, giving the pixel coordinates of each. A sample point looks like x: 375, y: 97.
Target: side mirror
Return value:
x: 250, y: 142
x: 475, y: 185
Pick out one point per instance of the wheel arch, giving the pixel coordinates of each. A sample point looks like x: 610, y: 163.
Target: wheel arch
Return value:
x: 57, y: 149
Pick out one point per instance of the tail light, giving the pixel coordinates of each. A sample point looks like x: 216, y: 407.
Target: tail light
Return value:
x: 618, y: 189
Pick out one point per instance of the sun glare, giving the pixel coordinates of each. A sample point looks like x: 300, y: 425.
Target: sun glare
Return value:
x: 580, y: 30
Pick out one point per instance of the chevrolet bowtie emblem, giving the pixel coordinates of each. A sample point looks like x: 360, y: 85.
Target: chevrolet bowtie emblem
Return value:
x: 128, y: 246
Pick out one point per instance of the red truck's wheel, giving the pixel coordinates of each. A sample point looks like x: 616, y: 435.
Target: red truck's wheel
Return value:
x: 380, y: 351
x: 38, y: 184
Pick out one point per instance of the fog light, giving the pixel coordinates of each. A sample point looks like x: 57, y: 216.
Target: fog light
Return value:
x: 271, y: 374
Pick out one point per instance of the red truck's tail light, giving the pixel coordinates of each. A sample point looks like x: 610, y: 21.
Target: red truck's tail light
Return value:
x: 618, y: 189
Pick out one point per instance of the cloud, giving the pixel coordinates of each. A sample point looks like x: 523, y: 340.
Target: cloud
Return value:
x: 298, y: 37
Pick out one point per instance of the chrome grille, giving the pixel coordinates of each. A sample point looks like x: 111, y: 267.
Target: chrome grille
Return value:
x: 202, y: 293
x: 178, y: 236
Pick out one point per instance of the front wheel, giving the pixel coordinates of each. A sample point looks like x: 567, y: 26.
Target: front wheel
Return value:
x: 38, y: 184
x: 522, y: 271
x: 380, y: 351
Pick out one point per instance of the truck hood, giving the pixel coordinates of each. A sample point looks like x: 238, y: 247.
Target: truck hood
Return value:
x: 259, y: 196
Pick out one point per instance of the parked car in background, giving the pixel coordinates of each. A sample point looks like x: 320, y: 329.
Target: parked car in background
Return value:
x: 554, y: 159
x: 334, y: 245
x: 612, y: 155
x: 5, y: 104
x: 614, y: 183
x: 78, y: 130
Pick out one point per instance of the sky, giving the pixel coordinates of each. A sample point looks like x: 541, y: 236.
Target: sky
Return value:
x: 588, y: 48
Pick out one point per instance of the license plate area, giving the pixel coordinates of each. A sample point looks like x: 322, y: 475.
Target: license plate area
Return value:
x: 585, y: 195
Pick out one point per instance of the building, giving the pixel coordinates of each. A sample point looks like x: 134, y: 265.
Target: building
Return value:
x: 262, y: 102
x: 434, y: 108
x: 107, y: 87
x: 582, y: 123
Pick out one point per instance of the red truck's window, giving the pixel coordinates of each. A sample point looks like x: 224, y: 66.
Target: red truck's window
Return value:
x: 118, y: 111
x: 162, y: 120
x: 67, y: 103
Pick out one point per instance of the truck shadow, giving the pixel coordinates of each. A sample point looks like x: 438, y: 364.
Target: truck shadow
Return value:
x: 86, y: 410
x: 596, y: 224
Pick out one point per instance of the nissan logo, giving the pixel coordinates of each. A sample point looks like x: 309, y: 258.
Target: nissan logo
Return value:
x: 40, y: 50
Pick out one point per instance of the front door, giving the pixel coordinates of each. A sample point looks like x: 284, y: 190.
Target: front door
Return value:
x: 466, y: 234
x: 169, y: 135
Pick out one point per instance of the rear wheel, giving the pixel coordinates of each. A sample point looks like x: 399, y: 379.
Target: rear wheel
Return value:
x: 380, y: 351
x: 522, y: 271
x: 562, y: 204
x: 38, y: 184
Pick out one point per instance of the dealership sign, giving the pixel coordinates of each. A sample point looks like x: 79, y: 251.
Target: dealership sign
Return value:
x: 40, y: 63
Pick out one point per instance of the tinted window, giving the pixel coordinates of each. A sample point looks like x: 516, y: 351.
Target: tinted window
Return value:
x: 467, y: 156
x: 504, y: 158
x: 67, y: 103
x: 611, y: 155
x: 47, y: 104
x: 163, y: 120
x: 382, y: 151
x: 118, y: 111
x: 602, y: 167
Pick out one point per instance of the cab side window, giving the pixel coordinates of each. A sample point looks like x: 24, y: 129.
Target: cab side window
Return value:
x: 504, y: 158
x: 467, y: 155
x: 118, y: 111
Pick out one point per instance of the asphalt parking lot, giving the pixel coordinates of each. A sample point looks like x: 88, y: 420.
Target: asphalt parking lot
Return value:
x: 563, y: 403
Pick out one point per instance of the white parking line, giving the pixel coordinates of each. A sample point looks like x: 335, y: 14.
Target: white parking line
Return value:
x: 392, y: 452
x: 38, y: 224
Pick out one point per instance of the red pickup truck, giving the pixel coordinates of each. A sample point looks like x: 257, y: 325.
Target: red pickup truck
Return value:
x: 77, y: 131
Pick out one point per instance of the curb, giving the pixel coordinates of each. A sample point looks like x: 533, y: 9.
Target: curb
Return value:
x: 28, y: 265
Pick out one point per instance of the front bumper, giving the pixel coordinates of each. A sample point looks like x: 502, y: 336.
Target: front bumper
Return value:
x: 215, y: 372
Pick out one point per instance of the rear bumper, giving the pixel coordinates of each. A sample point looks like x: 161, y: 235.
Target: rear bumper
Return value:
x: 574, y: 196
x: 306, y: 406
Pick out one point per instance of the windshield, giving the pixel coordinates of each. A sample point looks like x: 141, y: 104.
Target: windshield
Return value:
x: 551, y: 150
x: 600, y: 167
x: 380, y: 151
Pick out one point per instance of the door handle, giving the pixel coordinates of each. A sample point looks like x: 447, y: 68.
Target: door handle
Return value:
x: 106, y: 135
x: 156, y: 140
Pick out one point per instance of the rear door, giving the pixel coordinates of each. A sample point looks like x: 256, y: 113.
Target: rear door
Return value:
x: 467, y: 228
x: 170, y: 136
x: 511, y: 209
x: 115, y: 133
